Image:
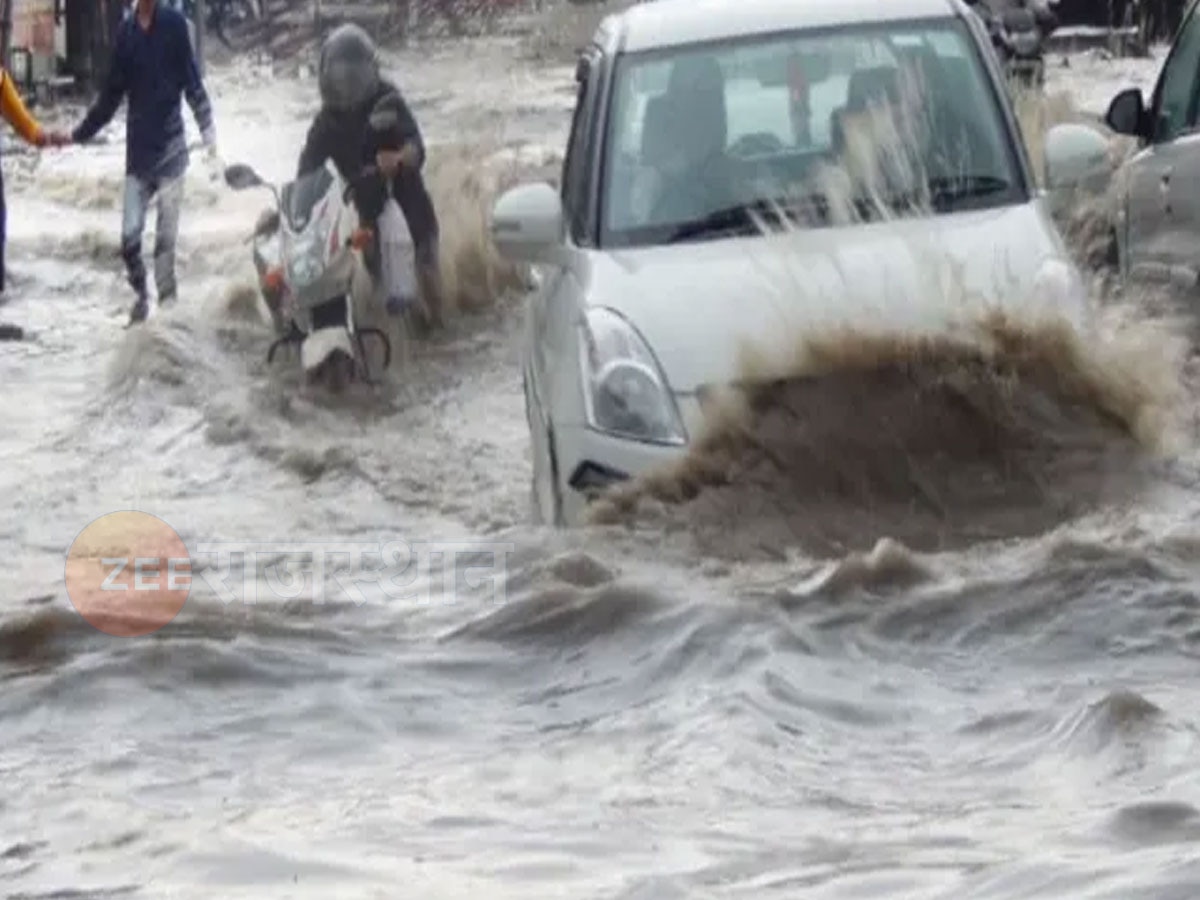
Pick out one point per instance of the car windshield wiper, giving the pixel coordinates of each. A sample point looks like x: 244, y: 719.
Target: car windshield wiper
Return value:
x: 942, y: 193
x: 740, y: 218
x: 961, y: 187
x: 729, y: 218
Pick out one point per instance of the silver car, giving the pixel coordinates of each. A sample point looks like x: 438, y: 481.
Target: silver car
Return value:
x: 690, y: 115
x: 1156, y: 222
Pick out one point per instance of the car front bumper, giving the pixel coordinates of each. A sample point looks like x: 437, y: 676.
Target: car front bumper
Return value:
x: 590, y: 461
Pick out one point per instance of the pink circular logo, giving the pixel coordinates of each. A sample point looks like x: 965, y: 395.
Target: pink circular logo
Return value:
x: 128, y: 573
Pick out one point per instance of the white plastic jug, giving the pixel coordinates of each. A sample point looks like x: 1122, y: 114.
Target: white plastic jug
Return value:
x: 396, y: 255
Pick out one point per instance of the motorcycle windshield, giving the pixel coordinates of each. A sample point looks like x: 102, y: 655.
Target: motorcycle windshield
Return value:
x: 301, y: 196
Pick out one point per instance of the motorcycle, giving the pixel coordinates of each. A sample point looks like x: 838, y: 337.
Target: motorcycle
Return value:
x: 1018, y: 34
x: 1022, y: 47
x: 308, y: 255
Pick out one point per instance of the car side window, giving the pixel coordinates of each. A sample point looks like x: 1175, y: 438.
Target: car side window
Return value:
x: 1178, y: 89
x: 577, y: 163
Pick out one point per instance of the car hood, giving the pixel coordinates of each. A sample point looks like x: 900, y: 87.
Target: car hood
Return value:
x: 699, y: 304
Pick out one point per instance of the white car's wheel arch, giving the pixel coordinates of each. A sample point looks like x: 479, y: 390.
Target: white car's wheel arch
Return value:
x: 1120, y: 238
x: 546, y: 495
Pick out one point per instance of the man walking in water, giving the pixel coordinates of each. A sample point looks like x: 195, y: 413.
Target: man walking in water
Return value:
x: 152, y: 66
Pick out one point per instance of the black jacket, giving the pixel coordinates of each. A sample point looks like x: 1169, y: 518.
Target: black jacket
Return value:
x: 350, y: 142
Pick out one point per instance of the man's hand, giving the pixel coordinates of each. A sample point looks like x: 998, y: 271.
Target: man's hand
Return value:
x: 55, y: 138
x: 390, y: 161
x: 408, y: 155
x: 212, y: 155
x: 209, y: 138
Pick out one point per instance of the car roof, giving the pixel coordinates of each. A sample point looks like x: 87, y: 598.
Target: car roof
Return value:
x: 663, y: 23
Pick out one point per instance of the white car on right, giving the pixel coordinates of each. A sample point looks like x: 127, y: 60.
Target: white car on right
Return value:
x: 694, y: 117
x: 1156, y: 223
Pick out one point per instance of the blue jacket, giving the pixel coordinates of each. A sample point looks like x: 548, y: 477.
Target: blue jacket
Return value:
x: 152, y: 68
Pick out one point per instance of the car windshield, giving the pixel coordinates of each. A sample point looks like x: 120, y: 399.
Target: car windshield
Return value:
x: 300, y: 196
x: 843, y: 125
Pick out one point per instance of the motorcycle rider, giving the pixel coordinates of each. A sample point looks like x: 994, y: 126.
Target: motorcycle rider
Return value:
x: 991, y: 12
x: 1045, y: 16
x: 1020, y: 48
x: 364, y: 121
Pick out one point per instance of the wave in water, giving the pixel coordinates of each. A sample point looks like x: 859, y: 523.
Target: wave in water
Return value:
x: 931, y: 441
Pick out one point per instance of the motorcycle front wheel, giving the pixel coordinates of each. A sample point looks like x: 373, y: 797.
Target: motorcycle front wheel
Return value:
x: 336, y: 373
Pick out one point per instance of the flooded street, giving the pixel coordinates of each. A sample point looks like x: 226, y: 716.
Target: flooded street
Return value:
x: 614, y: 711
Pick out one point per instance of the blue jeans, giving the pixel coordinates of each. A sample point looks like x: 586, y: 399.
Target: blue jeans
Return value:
x: 139, y: 194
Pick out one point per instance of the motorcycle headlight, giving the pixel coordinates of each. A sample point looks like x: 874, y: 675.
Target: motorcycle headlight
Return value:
x: 624, y: 392
x: 1025, y: 42
x: 304, y: 267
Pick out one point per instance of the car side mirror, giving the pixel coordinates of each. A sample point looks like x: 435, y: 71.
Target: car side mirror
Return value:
x: 1076, y: 157
x: 528, y: 226
x: 1127, y: 113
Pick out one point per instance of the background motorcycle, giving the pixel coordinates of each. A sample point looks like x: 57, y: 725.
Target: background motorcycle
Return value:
x: 223, y: 14
x: 1018, y: 32
x: 308, y: 255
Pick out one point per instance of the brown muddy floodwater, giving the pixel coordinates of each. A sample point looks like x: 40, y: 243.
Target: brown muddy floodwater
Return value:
x: 780, y: 673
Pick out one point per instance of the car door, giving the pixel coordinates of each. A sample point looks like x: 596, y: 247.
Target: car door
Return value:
x: 1181, y: 216
x: 1158, y: 202
x: 554, y: 298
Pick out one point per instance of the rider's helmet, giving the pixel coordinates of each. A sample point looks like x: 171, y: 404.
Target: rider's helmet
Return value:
x: 348, y: 73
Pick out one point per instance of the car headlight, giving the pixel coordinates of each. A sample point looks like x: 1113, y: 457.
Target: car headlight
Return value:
x: 624, y: 393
